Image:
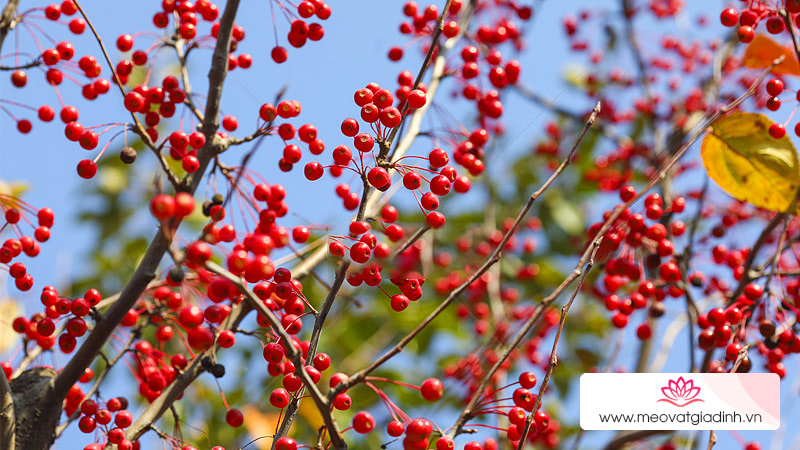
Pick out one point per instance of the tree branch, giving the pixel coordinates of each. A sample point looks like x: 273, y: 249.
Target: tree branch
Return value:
x: 7, y: 19
x: 7, y: 416
x: 554, y: 352
x: 632, y: 437
x: 171, y: 393
x: 146, y: 270
x: 490, y: 261
x: 294, y: 354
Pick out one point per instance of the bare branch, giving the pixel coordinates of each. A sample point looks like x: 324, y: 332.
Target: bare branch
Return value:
x: 35, y: 63
x: 554, y: 352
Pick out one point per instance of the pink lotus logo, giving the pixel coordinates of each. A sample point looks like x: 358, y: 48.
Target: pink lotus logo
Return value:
x: 680, y: 392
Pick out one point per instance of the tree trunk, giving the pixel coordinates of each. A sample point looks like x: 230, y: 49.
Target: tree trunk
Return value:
x: 36, y: 410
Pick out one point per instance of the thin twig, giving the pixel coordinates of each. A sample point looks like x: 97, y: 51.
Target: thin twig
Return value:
x: 187, y: 87
x: 712, y: 439
x: 34, y: 63
x: 606, y: 130
x: 412, y: 239
x: 554, y: 353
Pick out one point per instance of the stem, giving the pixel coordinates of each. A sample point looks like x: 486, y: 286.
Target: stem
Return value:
x: 712, y: 439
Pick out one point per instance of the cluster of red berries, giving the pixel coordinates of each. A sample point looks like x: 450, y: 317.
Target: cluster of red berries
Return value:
x: 377, y: 109
x: 423, y: 22
x: 748, y: 19
x: 14, y: 214
x: 726, y: 327
x: 305, y: 134
x: 755, y: 13
x: 632, y: 232
x: 112, y: 419
x: 773, y: 89
x: 301, y: 31
x: 165, y: 206
x: 154, y: 102
x: 188, y: 14
x: 41, y: 327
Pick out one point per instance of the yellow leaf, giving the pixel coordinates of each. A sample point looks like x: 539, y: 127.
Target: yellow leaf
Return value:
x: 259, y: 424
x: 310, y: 413
x: 762, y: 51
x: 749, y: 164
x: 12, y: 188
x: 8, y: 337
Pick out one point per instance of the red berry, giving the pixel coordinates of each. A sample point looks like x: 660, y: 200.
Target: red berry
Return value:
x: 753, y: 291
x: 527, y: 380
x: 19, y: 78
x: 416, y: 99
x: 162, y: 206
x: 125, y: 42
x: 777, y: 130
x: 234, y: 418
x: 746, y: 34
x: 87, y: 169
x: 775, y: 87
x: 435, y: 219
x: 363, y: 422
x: 432, y: 389
x: 729, y: 17
x: 279, y: 54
